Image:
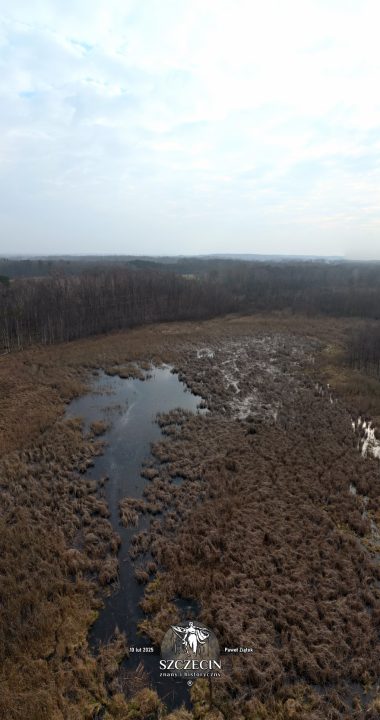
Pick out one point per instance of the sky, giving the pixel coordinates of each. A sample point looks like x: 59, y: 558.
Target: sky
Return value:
x: 190, y: 126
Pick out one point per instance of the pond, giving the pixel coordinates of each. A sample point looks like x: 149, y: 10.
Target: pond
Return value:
x: 130, y: 406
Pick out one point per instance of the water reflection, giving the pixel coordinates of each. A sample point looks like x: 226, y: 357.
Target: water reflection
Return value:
x: 131, y: 406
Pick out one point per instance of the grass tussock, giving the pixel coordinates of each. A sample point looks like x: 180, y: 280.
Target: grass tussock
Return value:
x: 129, y: 514
x: 99, y: 427
x: 126, y: 372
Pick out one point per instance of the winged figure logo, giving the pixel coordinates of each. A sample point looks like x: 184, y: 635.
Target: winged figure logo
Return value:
x: 192, y: 637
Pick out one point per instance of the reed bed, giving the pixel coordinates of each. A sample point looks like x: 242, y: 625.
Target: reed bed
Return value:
x: 258, y: 525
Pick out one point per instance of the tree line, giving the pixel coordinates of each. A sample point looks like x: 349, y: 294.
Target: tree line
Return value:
x: 57, y: 309
x: 60, y: 307
x: 363, y: 349
x: 336, y: 289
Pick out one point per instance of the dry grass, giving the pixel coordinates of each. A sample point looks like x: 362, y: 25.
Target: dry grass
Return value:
x: 281, y: 564
x: 35, y: 383
x: 265, y: 535
x: 127, y: 371
x: 99, y: 427
x: 48, y: 592
x: 128, y: 511
x: 360, y: 392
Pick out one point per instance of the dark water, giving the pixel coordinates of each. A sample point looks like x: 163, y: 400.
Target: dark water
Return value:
x: 131, y: 407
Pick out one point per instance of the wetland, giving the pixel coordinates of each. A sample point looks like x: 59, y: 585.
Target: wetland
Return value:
x: 207, y: 470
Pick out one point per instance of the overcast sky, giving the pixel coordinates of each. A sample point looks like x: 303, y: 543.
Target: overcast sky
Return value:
x: 190, y: 126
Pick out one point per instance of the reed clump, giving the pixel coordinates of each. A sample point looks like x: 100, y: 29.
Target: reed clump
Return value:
x: 99, y: 427
x: 129, y: 514
x: 130, y: 370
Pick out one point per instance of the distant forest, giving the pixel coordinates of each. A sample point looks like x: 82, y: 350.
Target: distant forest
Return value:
x: 58, y: 299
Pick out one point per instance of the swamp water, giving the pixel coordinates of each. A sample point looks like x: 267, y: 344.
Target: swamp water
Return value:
x: 130, y: 406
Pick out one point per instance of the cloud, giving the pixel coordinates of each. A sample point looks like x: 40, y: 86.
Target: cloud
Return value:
x: 189, y: 126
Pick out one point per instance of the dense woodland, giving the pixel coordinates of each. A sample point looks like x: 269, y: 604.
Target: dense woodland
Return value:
x: 338, y: 289
x: 48, y: 301
x: 51, y: 310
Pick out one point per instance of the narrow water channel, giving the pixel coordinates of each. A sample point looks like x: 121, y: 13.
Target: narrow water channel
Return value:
x: 130, y: 406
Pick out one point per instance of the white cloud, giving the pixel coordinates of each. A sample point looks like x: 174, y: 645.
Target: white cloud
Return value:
x: 189, y: 126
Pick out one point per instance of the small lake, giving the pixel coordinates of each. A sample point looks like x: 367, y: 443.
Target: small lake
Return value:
x: 131, y: 407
